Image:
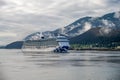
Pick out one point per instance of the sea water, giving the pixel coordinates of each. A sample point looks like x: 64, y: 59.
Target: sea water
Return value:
x: 76, y: 65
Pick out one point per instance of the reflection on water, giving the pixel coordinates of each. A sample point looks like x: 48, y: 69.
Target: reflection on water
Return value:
x: 76, y: 65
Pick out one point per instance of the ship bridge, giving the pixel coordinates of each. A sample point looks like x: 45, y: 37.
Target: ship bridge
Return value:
x: 63, y: 41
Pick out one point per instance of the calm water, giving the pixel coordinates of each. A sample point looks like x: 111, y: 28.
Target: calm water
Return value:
x: 77, y: 65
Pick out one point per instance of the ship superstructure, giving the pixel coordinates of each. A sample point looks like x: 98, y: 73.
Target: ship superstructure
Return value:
x: 58, y: 44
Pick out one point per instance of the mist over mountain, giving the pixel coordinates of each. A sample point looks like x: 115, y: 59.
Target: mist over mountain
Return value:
x: 108, y: 21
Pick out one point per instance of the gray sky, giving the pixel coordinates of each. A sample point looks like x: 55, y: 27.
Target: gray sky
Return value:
x: 18, y: 18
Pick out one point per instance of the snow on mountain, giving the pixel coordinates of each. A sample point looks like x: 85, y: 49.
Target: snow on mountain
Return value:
x: 39, y: 35
x: 86, y: 27
x: 34, y: 36
x: 108, y: 22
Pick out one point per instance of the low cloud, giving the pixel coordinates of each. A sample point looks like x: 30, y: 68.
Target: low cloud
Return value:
x: 105, y: 30
x: 7, y: 34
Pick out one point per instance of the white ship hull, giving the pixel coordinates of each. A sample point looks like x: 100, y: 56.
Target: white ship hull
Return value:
x: 50, y: 49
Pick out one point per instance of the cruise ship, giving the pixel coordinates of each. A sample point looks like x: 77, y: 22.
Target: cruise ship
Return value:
x: 60, y: 44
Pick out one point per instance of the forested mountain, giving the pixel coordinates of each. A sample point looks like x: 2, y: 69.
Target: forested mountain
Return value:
x: 98, y: 36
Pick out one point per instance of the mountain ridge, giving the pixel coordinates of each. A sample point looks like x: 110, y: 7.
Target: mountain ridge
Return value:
x: 84, y: 24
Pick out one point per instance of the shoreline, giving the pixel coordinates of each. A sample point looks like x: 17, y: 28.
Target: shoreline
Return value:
x: 80, y: 49
x: 97, y: 49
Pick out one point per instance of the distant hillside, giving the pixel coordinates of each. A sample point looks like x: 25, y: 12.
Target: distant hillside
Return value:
x: 15, y: 45
x: 2, y: 47
x: 99, y: 35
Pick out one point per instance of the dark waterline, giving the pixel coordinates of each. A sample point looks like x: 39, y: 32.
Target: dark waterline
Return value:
x: 76, y: 65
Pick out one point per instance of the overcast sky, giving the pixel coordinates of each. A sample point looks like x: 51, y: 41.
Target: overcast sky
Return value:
x: 18, y: 18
